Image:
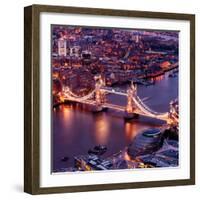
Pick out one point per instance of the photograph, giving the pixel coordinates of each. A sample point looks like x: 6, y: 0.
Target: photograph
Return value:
x: 114, y: 98
x: 109, y: 99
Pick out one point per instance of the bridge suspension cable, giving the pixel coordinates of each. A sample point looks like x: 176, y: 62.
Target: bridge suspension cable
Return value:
x: 146, y: 110
x: 73, y: 96
x: 146, y: 107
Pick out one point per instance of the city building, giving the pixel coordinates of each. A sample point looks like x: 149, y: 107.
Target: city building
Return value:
x: 62, y: 47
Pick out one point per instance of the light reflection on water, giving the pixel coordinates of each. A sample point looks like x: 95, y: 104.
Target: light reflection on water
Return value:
x: 102, y: 130
x: 131, y: 130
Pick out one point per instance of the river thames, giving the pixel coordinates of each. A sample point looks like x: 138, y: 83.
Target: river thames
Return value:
x: 76, y: 129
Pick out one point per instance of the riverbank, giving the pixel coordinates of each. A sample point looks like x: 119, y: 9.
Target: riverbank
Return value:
x: 145, y: 76
x: 166, y: 155
x: 159, y: 73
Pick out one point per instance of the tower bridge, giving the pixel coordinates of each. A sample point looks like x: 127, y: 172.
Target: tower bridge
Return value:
x: 135, y: 105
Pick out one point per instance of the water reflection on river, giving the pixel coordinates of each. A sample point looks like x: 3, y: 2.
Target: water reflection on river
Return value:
x: 75, y: 129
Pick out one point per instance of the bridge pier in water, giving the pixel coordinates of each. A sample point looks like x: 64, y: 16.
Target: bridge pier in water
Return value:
x: 129, y: 116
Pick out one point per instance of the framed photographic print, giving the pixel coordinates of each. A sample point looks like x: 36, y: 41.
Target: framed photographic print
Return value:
x: 109, y: 99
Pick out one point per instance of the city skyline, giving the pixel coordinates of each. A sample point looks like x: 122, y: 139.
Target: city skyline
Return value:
x: 101, y: 72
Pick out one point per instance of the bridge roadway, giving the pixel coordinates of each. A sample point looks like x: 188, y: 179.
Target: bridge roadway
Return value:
x: 114, y: 91
x: 114, y: 107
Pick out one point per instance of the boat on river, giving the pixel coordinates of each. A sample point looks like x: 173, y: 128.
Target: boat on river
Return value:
x: 98, y: 150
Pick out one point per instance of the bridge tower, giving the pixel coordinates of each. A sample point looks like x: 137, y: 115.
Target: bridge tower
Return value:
x: 131, y: 92
x: 130, y: 107
x: 99, y: 94
x: 173, y: 114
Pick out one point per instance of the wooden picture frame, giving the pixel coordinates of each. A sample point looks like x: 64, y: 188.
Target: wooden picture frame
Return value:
x: 32, y: 97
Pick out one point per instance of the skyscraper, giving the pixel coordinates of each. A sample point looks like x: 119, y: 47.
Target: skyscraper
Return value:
x: 62, y: 48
